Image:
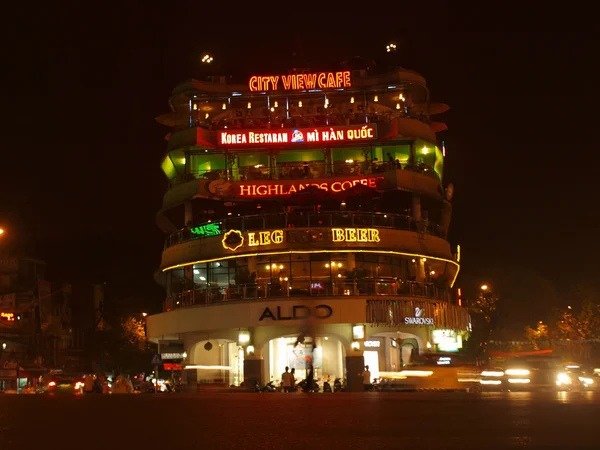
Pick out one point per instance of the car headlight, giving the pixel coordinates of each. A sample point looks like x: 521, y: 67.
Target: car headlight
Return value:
x: 586, y: 380
x: 492, y: 373
x: 563, y: 378
x: 518, y: 372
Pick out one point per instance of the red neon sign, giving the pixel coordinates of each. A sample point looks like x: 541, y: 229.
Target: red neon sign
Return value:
x: 298, y: 136
x: 292, y: 82
x: 271, y: 190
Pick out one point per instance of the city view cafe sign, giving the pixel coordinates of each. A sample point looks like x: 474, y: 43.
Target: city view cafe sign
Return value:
x: 300, y: 81
x: 296, y: 136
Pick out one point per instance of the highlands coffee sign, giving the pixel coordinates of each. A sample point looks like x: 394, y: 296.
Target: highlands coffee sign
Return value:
x: 295, y: 137
x: 296, y: 312
x: 300, y: 81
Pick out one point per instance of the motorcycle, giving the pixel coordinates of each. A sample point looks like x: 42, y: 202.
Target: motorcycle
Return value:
x: 327, y: 387
x: 338, y: 386
x: 314, y: 387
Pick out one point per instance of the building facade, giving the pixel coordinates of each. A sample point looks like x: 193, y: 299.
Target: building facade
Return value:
x: 306, y: 225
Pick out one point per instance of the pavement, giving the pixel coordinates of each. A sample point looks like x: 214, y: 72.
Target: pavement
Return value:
x: 370, y: 421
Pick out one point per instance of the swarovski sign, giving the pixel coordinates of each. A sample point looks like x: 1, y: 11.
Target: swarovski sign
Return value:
x: 418, y: 319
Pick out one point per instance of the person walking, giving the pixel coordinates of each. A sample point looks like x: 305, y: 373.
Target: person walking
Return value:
x: 293, y: 374
x: 367, y: 379
x: 286, y: 379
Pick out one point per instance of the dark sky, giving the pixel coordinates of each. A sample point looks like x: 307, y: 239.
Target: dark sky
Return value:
x: 79, y: 173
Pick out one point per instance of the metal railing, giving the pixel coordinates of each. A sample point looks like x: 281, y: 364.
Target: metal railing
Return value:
x: 308, y: 220
x: 362, y: 287
x: 298, y: 171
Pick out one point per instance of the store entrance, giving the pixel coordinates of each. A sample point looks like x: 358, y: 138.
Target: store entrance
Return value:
x: 372, y: 360
x: 326, y: 358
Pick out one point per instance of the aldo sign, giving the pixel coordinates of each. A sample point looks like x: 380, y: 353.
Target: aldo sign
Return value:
x: 296, y: 312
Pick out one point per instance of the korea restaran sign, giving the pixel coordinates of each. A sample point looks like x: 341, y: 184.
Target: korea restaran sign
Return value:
x: 418, y: 319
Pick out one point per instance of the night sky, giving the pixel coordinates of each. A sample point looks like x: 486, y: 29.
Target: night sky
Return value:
x: 79, y: 175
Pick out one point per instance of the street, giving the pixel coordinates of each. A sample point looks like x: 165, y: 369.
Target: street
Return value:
x: 425, y: 420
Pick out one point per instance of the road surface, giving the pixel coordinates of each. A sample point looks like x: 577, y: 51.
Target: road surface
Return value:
x: 370, y: 421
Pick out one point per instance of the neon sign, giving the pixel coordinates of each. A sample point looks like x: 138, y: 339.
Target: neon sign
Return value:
x: 206, y: 230
x: 292, y: 82
x: 7, y: 316
x: 258, y: 138
x: 355, y: 235
x: 234, y: 239
x: 270, y: 190
x: 265, y: 238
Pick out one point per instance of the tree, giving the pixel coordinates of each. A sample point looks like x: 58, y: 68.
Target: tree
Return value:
x: 581, y: 328
x: 538, y: 335
x: 484, y: 310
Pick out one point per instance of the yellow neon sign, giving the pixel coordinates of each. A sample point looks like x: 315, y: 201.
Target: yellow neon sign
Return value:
x: 355, y: 235
x: 265, y: 238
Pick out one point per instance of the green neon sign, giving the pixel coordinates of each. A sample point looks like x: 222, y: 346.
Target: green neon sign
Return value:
x: 208, y: 229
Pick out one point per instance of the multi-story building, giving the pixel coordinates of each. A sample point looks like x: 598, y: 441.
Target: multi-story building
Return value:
x: 35, y: 316
x: 306, y: 223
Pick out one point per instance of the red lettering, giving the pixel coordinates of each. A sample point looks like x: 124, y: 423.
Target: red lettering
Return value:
x: 330, y: 80
x: 322, y: 80
x: 261, y: 190
x: 287, y: 82
x: 336, y: 187
x: 310, y: 80
x: 253, y: 84
x: 348, y: 185
x: 338, y: 79
x: 346, y: 79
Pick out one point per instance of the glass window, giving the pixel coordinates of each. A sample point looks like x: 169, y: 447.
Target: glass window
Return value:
x: 200, y: 276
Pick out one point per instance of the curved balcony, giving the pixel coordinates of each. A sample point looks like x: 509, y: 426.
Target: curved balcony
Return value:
x: 305, y: 220
x: 355, y: 288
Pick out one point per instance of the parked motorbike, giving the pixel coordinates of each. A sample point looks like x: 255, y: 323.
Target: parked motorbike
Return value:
x: 269, y: 387
x: 314, y: 387
x: 327, y: 387
x: 338, y: 385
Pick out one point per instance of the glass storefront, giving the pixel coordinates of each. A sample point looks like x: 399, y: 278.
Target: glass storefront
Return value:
x: 304, y: 274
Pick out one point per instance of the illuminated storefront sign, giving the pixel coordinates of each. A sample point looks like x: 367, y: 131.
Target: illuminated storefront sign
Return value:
x: 299, y: 81
x: 206, y: 230
x: 260, y: 138
x: 373, y: 344
x: 172, y: 356
x: 270, y: 190
x: 355, y: 235
x: 234, y: 239
x: 297, y: 312
x: 7, y: 316
x: 265, y: 238
x: 418, y: 319
x: 447, y: 340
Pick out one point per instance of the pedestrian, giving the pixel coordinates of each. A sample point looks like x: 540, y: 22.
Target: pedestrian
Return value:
x: 367, y: 379
x: 286, y: 379
x: 293, y: 374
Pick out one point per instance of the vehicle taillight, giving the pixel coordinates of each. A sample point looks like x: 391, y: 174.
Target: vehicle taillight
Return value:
x: 52, y: 384
x: 78, y: 385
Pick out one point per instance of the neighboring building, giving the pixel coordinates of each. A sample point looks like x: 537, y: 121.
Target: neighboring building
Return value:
x: 36, y: 321
x: 306, y: 210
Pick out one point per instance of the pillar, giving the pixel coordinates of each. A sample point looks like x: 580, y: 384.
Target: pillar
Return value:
x: 420, y: 275
x: 416, y: 206
x: 273, y: 166
x: 253, y: 372
x: 328, y: 162
x: 355, y: 365
x: 188, y: 213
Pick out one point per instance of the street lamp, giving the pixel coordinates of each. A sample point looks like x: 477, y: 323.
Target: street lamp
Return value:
x: 207, y: 59
x: 144, y: 314
x: 484, y: 287
x: 1, y: 231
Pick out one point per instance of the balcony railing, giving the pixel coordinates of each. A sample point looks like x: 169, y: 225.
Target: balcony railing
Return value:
x: 305, y: 220
x: 298, y: 171
x: 219, y: 295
